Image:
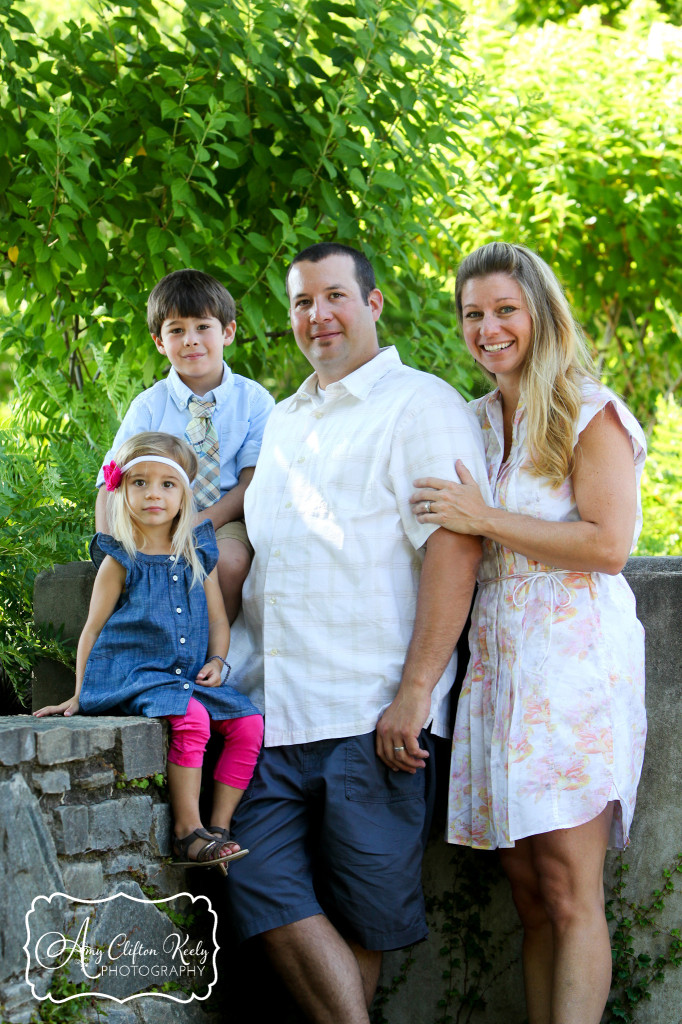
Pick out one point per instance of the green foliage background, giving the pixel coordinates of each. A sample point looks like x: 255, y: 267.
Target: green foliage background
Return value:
x: 139, y: 137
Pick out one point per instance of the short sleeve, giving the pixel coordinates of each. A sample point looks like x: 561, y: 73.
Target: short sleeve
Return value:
x: 436, y: 428
x: 206, y: 545
x: 102, y: 545
x: 262, y: 404
x: 596, y: 398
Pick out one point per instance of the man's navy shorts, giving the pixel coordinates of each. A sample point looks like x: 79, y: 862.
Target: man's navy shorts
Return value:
x: 332, y: 831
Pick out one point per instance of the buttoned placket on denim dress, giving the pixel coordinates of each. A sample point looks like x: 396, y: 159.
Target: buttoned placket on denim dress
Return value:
x: 146, y: 659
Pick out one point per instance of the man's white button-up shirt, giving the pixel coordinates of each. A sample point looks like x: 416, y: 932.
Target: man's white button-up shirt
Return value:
x: 329, y: 604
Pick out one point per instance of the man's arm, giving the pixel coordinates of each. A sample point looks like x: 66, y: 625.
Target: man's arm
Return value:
x: 446, y: 587
x: 231, y: 505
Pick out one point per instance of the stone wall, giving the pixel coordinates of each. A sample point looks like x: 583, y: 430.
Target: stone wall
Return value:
x: 71, y: 827
x: 71, y: 822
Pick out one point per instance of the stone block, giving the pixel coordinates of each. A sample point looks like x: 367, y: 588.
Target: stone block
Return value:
x: 51, y: 606
x: 51, y: 683
x: 115, y: 822
x: 17, y: 741
x: 52, y: 782
x: 120, y: 1014
x: 142, y: 747
x: 71, y: 828
x: 137, y: 920
x: 61, y: 598
x: 162, y: 822
x: 20, y: 1014
x: 84, y: 879
x: 166, y: 879
x: 125, y: 862
x: 59, y: 740
x: 95, y: 779
x: 16, y: 1000
x: 28, y: 868
x: 153, y: 1010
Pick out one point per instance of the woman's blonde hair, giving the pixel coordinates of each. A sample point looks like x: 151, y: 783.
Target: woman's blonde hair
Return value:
x: 122, y: 517
x: 557, y: 362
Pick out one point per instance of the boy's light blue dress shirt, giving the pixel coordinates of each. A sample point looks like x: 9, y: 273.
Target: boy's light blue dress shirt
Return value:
x: 241, y: 412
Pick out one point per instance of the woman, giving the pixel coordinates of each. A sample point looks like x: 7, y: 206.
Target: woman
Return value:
x: 549, y: 736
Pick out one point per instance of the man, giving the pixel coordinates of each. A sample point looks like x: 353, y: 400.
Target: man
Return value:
x: 355, y: 640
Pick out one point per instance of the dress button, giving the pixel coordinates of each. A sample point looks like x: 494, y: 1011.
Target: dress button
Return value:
x: 185, y: 686
x: 178, y: 671
x: 178, y: 610
x: 175, y: 579
x: 182, y: 639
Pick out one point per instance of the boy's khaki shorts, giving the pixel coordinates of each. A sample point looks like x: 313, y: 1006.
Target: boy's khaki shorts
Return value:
x: 235, y: 531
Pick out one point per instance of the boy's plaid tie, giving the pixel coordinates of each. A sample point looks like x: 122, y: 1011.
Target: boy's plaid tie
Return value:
x: 203, y: 437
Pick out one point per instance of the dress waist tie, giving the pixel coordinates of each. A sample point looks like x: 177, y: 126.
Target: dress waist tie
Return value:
x: 526, y: 581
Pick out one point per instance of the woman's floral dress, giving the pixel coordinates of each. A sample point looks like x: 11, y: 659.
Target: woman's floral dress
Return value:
x: 551, y: 722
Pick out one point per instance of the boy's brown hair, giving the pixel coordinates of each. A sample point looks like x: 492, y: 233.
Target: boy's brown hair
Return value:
x: 187, y: 293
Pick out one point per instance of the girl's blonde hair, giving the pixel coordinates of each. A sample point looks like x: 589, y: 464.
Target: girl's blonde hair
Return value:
x: 121, y: 515
x: 557, y: 362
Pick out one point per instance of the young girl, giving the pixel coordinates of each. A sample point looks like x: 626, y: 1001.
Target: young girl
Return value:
x: 157, y: 636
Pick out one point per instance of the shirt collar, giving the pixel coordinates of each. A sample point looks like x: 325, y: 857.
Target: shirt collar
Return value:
x: 359, y: 383
x: 181, y: 394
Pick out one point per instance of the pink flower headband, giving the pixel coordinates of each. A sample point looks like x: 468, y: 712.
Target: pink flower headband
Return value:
x: 113, y: 473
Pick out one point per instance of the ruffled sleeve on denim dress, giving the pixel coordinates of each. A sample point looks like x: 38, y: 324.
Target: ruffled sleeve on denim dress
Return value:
x: 146, y: 659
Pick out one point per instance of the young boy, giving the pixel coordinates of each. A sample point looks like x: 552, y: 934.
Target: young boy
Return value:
x: 191, y: 318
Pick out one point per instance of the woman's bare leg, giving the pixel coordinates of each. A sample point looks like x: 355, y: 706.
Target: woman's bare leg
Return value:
x: 557, y: 881
x: 537, y: 951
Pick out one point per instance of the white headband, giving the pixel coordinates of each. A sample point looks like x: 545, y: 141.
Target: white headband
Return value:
x: 157, y: 458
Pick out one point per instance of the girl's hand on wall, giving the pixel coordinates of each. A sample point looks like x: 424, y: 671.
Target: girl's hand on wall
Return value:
x: 67, y: 708
x: 209, y: 675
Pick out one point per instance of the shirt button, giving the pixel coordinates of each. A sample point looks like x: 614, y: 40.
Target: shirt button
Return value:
x: 178, y: 671
x: 288, y: 505
x: 319, y: 415
x: 178, y: 610
x: 185, y: 686
x: 273, y: 600
x: 301, y: 458
x: 175, y: 579
x: 172, y: 558
x: 274, y: 651
x: 276, y: 553
x: 182, y: 639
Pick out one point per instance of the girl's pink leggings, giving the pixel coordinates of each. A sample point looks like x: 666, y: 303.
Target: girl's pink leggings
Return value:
x: 242, y: 738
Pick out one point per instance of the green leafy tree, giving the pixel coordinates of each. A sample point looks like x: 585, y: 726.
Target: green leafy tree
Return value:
x: 146, y: 136
x: 576, y: 152
x: 662, y: 484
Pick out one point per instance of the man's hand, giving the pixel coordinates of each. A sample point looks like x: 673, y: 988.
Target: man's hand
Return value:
x: 398, y: 729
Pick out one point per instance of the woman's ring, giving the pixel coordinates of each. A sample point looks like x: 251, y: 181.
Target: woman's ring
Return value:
x: 427, y: 507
